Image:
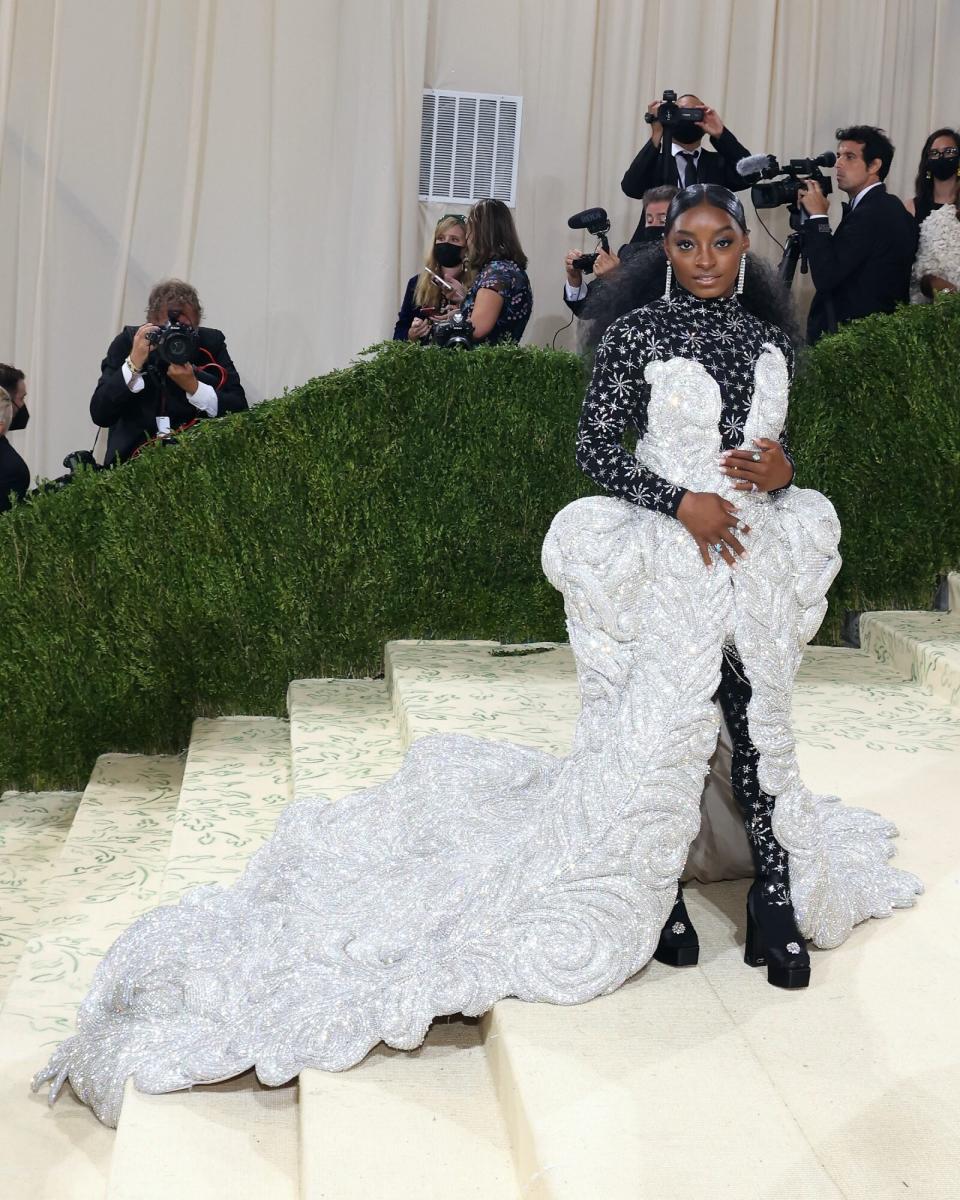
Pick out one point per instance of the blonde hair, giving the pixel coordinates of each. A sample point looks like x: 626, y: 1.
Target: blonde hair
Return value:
x: 6, y: 411
x: 427, y: 293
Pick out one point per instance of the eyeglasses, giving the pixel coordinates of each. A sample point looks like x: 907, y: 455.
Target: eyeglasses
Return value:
x: 951, y: 152
x: 454, y: 217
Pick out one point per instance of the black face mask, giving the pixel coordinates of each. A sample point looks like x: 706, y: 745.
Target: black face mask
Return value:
x: 652, y: 233
x: 20, y: 419
x: 448, y: 254
x: 942, y: 168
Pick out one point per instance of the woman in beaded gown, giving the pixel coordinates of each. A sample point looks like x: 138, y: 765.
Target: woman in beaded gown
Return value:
x: 483, y: 869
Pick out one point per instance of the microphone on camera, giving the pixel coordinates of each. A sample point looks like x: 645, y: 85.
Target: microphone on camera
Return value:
x: 755, y: 164
x: 589, y: 218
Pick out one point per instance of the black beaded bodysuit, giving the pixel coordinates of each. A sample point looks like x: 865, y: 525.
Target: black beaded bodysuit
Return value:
x: 727, y: 340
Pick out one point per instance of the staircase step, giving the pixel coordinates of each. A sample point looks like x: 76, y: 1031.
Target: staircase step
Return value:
x: 601, y: 1099
x: 923, y: 647
x: 342, y: 736
x: 529, y: 697
x: 953, y: 592
x: 236, y: 1138
x: 33, y: 829
x: 109, y: 872
x: 425, y: 1124
x: 236, y: 782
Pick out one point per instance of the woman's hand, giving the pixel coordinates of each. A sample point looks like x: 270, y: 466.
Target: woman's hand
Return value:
x: 457, y: 291
x: 713, y: 522
x: 419, y: 327
x: 762, y: 470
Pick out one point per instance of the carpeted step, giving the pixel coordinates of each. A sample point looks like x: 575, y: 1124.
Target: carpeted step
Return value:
x: 923, y: 647
x: 109, y: 872
x: 33, y: 829
x: 238, y: 1138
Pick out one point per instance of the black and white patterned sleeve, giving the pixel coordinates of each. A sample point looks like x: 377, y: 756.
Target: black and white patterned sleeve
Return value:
x: 617, y: 398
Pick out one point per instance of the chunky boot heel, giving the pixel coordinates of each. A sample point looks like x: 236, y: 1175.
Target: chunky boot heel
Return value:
x: 679, y: 945
x: 774, y: 941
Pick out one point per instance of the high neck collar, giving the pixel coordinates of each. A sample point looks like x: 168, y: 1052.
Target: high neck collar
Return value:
x: 681, y: 298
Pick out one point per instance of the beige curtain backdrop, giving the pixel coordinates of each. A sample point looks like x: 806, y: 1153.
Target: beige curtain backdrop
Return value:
x: 268, y: 151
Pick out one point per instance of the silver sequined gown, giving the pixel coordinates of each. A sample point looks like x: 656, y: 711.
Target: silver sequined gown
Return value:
x: 484, y: 870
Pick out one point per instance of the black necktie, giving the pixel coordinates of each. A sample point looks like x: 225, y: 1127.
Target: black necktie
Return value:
x: 690, y: 168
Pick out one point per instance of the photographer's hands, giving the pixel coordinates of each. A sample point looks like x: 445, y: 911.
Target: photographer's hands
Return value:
x: 140, y: 350
x: 574, y: 274
x: 183, y: 375
x: 711, y: 122
x: 812, y: 198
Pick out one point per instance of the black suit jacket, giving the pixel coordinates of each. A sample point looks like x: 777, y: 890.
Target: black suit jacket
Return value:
x: 14, y: 474
x: 862, y: 268
x: 720, y: 167
x: 131, y: 417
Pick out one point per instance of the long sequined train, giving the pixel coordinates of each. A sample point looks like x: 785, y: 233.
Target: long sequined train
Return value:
x: 484, y: 870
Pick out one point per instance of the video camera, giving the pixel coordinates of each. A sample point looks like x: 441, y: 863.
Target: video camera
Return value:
x: 176, y: 342
x: 775, y: 185
x: 596, y: 222
x: 682, y: 123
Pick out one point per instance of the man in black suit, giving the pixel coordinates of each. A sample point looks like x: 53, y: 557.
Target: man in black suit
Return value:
x: 865, y: 266
x: 14, y: 475
x: 139, y: 396
x: 691, y: 164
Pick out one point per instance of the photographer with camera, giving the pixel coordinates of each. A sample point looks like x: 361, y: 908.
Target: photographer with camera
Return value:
x: 576, y: 290
x: 864, y: 267
x: 686, y: 119
x: 164, y: 375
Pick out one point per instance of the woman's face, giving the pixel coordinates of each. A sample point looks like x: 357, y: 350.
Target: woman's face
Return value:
x: 454, y: 233
x: 705, y: 246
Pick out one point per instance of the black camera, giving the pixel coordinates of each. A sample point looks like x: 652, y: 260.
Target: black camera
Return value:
x: 782, y: 185
x: 683, y: 123
x: 455, y: 333
x: 176, y: 342
x: 596, y: 222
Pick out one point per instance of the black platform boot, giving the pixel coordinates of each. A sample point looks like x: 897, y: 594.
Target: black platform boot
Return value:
x: 679, y: 945
x: 773, y: 939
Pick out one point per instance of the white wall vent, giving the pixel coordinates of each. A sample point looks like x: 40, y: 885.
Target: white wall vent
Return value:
x: 469, y: 144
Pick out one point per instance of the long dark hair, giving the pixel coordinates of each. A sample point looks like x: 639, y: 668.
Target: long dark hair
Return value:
x: 641, y: 278
x: 922, y: 186
x: 492, y: 234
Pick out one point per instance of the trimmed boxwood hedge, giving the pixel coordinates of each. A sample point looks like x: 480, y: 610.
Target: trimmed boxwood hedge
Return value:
x: 875, y: 425
x: 406, y: 496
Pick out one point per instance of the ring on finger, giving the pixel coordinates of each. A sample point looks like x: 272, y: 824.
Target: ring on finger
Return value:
x: 756, y: 456
x: 717, y: 547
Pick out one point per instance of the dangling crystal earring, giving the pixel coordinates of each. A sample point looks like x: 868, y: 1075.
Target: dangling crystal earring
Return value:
x: 741, y: 276
x: 666, y: 290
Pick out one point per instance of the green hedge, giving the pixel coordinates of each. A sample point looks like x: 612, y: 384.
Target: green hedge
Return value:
x: 875, y: 425
x: 404, y: 497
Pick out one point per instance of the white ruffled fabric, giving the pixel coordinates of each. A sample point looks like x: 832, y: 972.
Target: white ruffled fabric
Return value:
x: 484, y: 870
x: 938, y: 252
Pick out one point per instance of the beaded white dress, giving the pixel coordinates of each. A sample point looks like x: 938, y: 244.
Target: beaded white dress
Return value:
x: 484, y: 870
